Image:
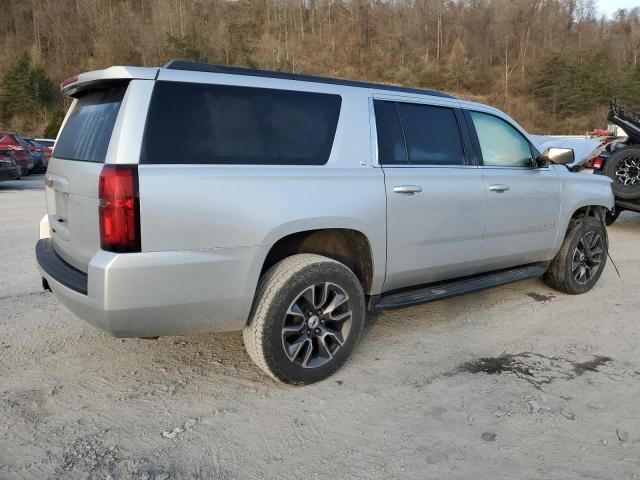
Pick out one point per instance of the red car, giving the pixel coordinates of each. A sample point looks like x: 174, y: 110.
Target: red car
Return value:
x: 13, y: 142
x: 48, y: 144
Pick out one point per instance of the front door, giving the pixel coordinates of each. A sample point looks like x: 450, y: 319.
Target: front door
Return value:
x: 523, y: 202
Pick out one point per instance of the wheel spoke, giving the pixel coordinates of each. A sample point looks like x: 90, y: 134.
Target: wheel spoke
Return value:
x: 310, y: 295
x: 323, y: 347
x: 341, y: 317
x: 292, y: 329
x: 293, y: 349
x: 336, y: 301
x: 329, y: 332
x: 295, y: 310
x: 307, y: 355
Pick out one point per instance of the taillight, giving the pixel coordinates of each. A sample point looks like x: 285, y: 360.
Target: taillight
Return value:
x: 69, y: 81
x: 119, y: 209
x: 598, y: 162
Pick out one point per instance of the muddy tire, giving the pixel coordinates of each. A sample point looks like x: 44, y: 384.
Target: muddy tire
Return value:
x: 307, y: 317
x: 581, y: 259
x: 623, y: 168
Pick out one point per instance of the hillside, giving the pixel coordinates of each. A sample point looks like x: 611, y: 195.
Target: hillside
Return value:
x: 552, y: 64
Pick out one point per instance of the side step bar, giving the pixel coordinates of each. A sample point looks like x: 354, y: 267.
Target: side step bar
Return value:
x: 455, y: 287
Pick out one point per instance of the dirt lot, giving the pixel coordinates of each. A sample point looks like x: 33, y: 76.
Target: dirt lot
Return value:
x: 560, y: 399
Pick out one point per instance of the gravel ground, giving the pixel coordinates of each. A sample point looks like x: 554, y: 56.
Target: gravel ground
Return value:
x: 515, y: 382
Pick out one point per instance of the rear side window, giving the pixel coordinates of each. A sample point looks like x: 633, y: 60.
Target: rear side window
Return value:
x: 391, y: 146
x: 87, y: 132
x: 432, y: 134
x: 219, y: 124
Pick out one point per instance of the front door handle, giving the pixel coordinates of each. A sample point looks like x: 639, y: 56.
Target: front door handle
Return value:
x: 408, y: 189
x: 499, y: 188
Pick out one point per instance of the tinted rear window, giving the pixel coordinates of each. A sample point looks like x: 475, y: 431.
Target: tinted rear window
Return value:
x: 391, y: 145
x: 219, y: 124
x: 87, y: 132
x: 432, y: 134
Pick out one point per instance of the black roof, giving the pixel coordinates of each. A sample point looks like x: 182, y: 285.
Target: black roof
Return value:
x: 205, y: 67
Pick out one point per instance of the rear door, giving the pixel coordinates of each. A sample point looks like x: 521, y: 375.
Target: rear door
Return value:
x: 523, y: 202
x: 72, y: 177
x: 435, y: 198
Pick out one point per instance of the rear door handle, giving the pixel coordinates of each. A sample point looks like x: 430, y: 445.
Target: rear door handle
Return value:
x: 499, y: 188
x: 408, y: 189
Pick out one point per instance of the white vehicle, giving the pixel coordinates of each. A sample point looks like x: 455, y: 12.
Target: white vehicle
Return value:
x: 196, y: 198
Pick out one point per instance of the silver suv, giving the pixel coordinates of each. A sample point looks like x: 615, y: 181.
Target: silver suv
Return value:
x: 195, y: 198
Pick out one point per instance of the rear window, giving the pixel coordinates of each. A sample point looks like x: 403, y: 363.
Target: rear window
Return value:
x: 219, y: 124
x: 87, y: 132
x: 391, y: 144
x: 432, y: 134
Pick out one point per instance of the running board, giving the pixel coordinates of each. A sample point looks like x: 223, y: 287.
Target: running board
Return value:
x: 452, y: 288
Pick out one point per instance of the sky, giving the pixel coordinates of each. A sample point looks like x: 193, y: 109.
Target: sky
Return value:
x: 609, y: 7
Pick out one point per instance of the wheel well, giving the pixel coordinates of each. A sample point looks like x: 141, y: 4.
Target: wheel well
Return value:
x: 349, y: 247
x: 590, y: 210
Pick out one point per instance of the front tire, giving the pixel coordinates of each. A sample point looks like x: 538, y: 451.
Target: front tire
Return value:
x: 580, y: 261
x: 307, y: 317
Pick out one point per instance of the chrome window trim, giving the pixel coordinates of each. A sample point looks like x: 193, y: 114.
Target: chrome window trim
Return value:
x: 506, y: 167
x: 429, y: 166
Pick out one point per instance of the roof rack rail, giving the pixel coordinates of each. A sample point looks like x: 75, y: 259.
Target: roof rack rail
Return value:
x: 205, y: 67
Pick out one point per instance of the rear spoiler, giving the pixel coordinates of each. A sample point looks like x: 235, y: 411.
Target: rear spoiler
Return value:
x: 89, y: 80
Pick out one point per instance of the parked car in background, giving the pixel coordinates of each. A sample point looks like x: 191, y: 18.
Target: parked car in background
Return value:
x: 14, y: 143
x: 9, y: 169
x: 620, y: 161
x: 38, y: 153
x: 196, y: 198
x: 48, y: 145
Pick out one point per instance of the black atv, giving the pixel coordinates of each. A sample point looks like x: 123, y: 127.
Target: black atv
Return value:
x: 620, y: 161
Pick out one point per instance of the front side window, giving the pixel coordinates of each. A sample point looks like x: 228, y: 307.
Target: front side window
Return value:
x: 500, y: 143
x: 220, y: 124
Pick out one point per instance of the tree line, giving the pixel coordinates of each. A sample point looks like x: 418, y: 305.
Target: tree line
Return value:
x: 551, y: 64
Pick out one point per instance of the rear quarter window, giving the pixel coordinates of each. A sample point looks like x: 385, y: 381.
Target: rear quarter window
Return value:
x: 192, y: 123
x: 87, y: 132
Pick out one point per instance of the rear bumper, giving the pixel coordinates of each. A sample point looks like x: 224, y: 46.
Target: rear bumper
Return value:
x: 55, y: 267
x: 156, y: 293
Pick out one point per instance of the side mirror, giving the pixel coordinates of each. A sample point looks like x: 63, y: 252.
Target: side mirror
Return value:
x: 559, y: 156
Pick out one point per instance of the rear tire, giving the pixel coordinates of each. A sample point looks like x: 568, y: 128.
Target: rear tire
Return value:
x: 576, y: 268
x: 307, y: 317
x: 623, y: 168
